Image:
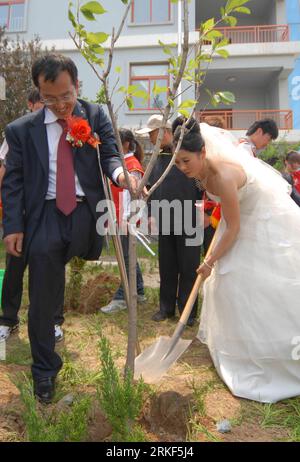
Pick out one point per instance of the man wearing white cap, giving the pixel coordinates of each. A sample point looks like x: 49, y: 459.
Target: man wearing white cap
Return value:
x: 177, y: 261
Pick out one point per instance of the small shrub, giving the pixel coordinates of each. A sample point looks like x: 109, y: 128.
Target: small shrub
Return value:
x: 120, y: 399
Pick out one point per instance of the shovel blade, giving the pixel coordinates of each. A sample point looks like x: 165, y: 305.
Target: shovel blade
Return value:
x: 154, y: 362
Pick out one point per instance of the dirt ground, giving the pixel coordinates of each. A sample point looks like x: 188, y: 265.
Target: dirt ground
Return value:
x: 185, y: 405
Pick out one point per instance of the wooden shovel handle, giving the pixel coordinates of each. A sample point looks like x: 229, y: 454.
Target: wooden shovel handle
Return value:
x: 195, y: 290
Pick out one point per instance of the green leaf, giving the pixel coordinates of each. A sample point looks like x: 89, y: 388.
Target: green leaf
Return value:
x: 208, y: 25
x: 88, y: 15
x: 231, y: 20
x: 71, y: 16
x: 213, y: 34
x: 227, y: 97
x: 93, y: 8
x: 242, y: 9
x: 222, y: 43
x: 129, y: 102
x: 118, y: 69
x: 96, y: 38
x: 122, y: 89
x: 188, y: 103
x: 223, y: 53
x: 184, y: 112
x: 97, y: 49
x: 171, y: 102
x: 156, y: 90
x: 232, y: 4
x: 140, y: 94
x: 132, y: 88
x: 125, y: 2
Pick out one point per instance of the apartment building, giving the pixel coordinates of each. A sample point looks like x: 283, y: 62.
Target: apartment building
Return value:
x: 263, y: 69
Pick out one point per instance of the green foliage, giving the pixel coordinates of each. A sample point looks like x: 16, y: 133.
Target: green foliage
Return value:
x: 74, y: 285
x: 275, y: 153
x: 43, y: 426
x: 89, y: 42
x: 233, y: 5
x: 16, y: 58
x: 225, y: 97
x: 101, y: 98
x: 90, y: 9
x: 121, y: 400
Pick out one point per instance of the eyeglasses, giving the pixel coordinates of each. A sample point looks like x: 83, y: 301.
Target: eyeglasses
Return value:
x: 64, y: 99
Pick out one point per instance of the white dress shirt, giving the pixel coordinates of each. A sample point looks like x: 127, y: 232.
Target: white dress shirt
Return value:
x: 3, y: 150
x: 54, y: 131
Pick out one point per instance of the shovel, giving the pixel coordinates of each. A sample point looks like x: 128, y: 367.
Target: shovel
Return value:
x: 154, y: 362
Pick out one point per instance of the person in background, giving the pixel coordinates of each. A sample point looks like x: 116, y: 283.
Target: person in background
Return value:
x: 133, y: 153
x: 177, y: 261
x: 292, y: 168
x: 259, y: 135
x: 12, y: 288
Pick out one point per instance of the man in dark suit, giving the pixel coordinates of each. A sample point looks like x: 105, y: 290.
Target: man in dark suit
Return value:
x: 177, y: 260
x: 50, y: 192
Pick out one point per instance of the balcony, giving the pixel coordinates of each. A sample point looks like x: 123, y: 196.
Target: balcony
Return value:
x: 256, y: 34
x: 241, y: 120
x: 16, y: 24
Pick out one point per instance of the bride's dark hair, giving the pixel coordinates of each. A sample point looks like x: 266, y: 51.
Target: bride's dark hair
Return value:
x: 192, y: 140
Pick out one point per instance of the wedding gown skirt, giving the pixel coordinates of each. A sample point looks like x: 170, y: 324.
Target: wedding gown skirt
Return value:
x: 250, y: 317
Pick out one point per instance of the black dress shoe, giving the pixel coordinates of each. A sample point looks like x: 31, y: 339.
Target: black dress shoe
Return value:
x: 159, y: 316
x: 43, y: 388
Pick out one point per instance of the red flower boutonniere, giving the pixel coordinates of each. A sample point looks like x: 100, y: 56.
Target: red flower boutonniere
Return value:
x: 79, y: 132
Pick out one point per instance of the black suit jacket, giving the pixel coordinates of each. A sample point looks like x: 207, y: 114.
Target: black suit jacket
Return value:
x: 25, y: 183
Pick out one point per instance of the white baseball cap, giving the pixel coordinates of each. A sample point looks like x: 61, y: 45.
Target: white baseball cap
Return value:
x: 154, y: 122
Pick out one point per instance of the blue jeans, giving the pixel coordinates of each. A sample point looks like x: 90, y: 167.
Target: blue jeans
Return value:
x: 119, y: 295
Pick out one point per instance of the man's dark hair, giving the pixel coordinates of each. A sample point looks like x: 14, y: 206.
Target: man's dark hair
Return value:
x: 34, y: 96
x: 267, y: 125
x: 292, y: 156
x: 51, y: 65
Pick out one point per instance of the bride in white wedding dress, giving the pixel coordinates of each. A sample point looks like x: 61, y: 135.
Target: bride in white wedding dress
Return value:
x: 250, y: 317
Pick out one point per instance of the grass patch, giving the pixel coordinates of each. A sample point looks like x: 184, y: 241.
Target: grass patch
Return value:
x: 53, y: 426
x: 282, y: 415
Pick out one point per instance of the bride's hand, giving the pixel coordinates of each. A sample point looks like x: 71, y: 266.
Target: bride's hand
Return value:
x: 204, y: 270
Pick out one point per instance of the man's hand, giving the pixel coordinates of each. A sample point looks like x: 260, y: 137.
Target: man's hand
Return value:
x: 123, y: 184
x: 14, y: 244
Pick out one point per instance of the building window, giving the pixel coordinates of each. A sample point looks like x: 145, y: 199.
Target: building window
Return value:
x: 151, y: 11
x: 12, y: 14
x: 145, y: 76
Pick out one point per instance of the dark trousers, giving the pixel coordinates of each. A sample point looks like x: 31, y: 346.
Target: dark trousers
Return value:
x: 177, y: 269
x: 12, y: 291
x: 119, y: 295
x: 57, y: 239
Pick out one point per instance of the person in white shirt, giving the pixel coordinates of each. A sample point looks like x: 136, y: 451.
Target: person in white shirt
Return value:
x: 259, y: 135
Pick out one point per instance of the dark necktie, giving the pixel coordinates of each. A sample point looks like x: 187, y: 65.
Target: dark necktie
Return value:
x: 65, y: 174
